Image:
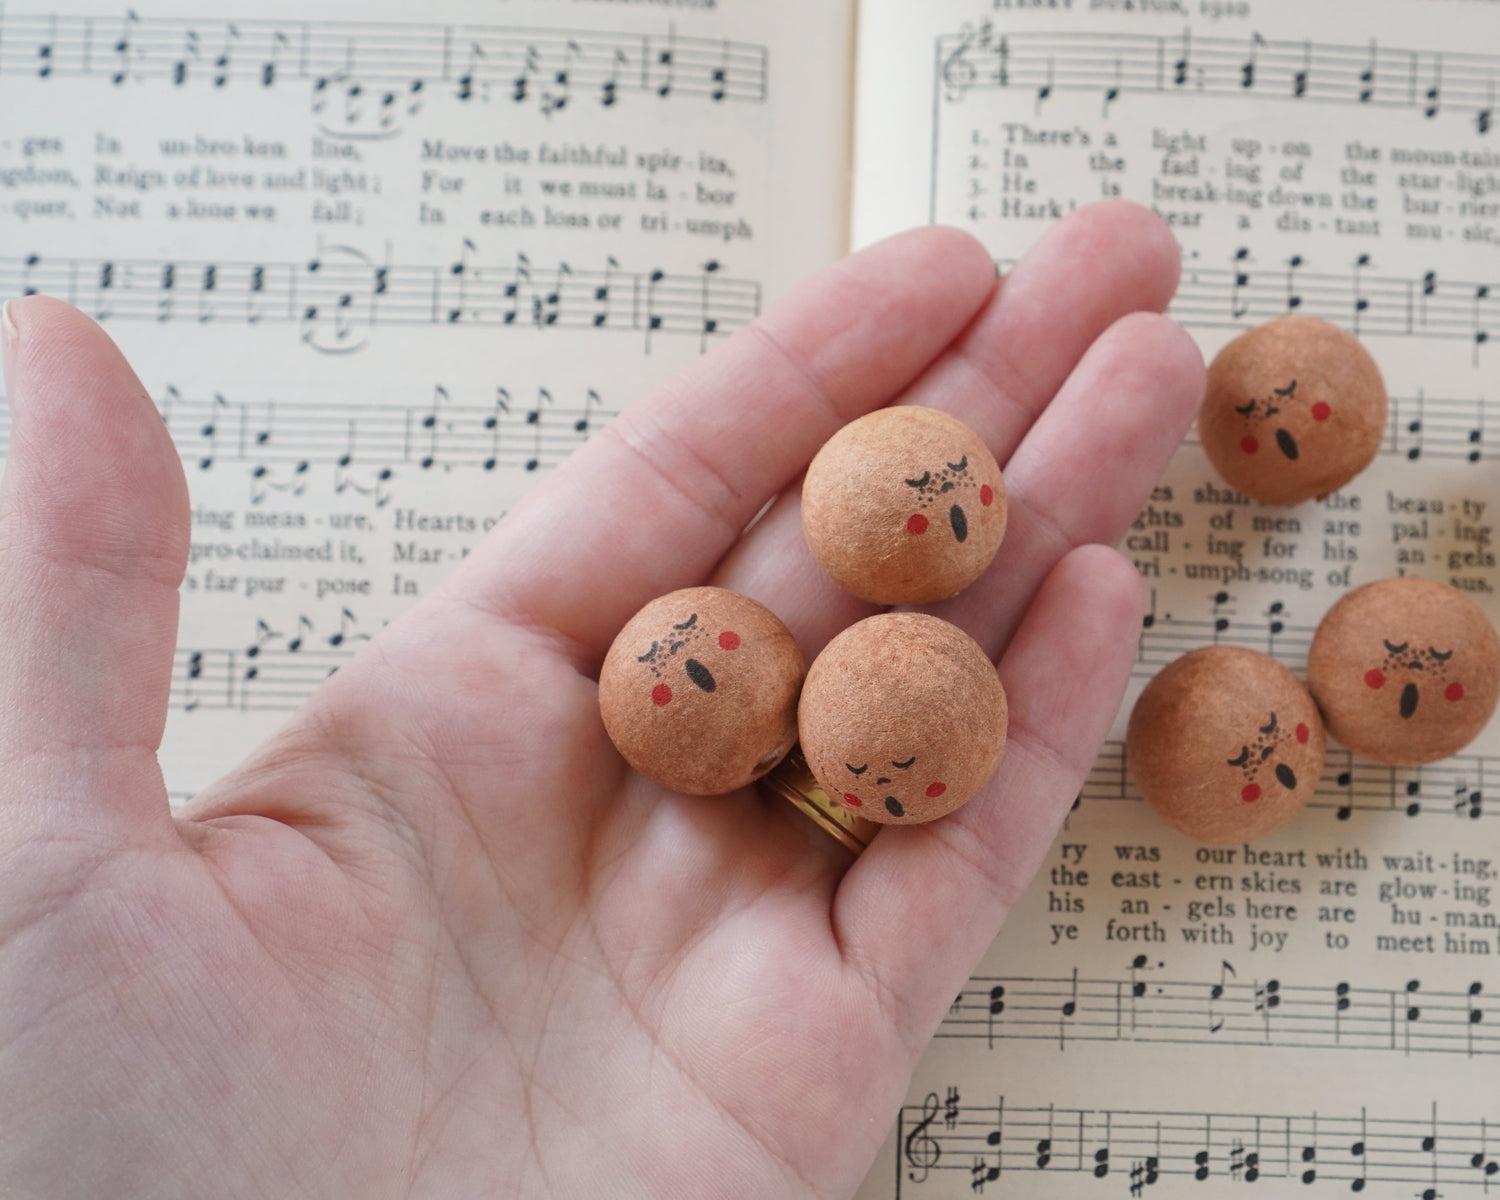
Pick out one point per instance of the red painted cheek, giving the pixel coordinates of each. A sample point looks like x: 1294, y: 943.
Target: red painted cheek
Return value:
x: 853, y: 801
x: 1251, y: 793
x: 917, y: 524
x: 986, y: 495
x: 1303, y: 733
x: 1321, y: 411
x: 934, y: 790
x: 729, y: 641
x: 1249, y: 445
x: 1454, y: 691
x: 661, y: 695
x: 1375, y: 678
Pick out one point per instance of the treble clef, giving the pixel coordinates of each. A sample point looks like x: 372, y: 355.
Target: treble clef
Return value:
x: 959, y: 73
x: 922, y: 1150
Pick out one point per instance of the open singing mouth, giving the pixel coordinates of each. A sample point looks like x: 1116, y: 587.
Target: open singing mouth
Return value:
x: 1287, y: 443
x: 959, y: 522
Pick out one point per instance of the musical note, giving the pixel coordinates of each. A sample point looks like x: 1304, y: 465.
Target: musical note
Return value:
x: 1361, y: 302
x: 1180, y: 67
x: 996, y: 1008
x: 1216, y: 993
x: 609, y: 89
x: 530, y: 65
x: 555, y: 98
x: 534, y: 419
x: 1112, y: 93
x: 1293, y: 296
x: 1275, y: 625
x: 1367, y: 78
x: 1221, y: 622
x: 666, y: 60
x: 1481, y: 331
x: 1237, y: 308
x: 1247, y: 68
x: 1435, y: 89
x: 1357, y: 1151
x: 1044, y: 89
x: 430, y: 422
x: 1303, y: 73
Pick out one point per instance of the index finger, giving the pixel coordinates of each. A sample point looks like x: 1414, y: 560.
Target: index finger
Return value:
x: 654, y: 502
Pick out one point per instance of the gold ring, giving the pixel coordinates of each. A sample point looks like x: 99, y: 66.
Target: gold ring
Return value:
x: 793, y: 781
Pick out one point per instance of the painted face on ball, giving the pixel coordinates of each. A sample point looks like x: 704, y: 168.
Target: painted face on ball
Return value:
x: 891, y: 784
x: 1421, y: 683
x: 1269, y: 759
x: 688, y: 656
x: 1281, y: 425
x: 944, y: 499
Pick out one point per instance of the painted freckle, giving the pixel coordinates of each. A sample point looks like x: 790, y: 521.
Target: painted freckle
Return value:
x: 917, y: 524
x: 661, y: 695
x: 1454, y: 691
x: 1375, y: 678
x: 1251, y: 793
x: 729, y: 640
x: 934, y: 790
x: 1321, y: 411
x: 1249, y: 445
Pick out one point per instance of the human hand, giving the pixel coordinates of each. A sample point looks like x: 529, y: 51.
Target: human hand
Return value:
x: 435, y: 939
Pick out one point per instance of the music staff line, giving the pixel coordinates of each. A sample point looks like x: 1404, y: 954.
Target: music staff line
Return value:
x: 945, y: 1137
x: 276, y: 670
x: 369, y: 71
x: 1454, y: 787
x: 339, y: 296
x: 536, y: 432
x: 1114, y: 65
x: 1409, y: 1020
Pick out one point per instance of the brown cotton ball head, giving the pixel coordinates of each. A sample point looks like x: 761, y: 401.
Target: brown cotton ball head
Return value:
x: 699, y: 691
x: 904, y: 506
x: 902, y: 717
x: 1225, y: 744
x: 1292, y: 410
x: 1405, y: 670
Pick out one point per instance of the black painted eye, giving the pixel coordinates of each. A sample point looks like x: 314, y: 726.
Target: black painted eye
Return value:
x: 961, y: 465
x: 920, y: 483
x: 904, y: 765
x: 1271, y: 728
x: 689, y: 623
x: 1440, y: 655
x: 650, y: 654
x: 1287, y: 392
x: 1245, y: 409
x: 853, y: 770
x: 1397, y: 649
x: 1244, y: 757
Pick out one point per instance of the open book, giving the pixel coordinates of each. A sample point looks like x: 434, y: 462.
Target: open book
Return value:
x: 381, y: 274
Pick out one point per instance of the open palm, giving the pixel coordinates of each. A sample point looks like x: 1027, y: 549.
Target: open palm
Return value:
x: 436, y: 939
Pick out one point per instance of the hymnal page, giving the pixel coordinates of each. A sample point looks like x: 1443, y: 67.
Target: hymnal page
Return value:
x: 382, y: 266
x: 1318, y: 1010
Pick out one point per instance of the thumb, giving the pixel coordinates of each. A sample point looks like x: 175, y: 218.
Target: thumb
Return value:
x: 93, y: 544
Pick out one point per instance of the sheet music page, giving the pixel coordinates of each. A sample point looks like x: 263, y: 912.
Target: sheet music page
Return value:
x: 1318, y: 1010
x: 382, y: 273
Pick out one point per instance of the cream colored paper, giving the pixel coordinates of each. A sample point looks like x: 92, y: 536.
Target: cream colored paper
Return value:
x: 1317, y: 1013
x: 383, y: 266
